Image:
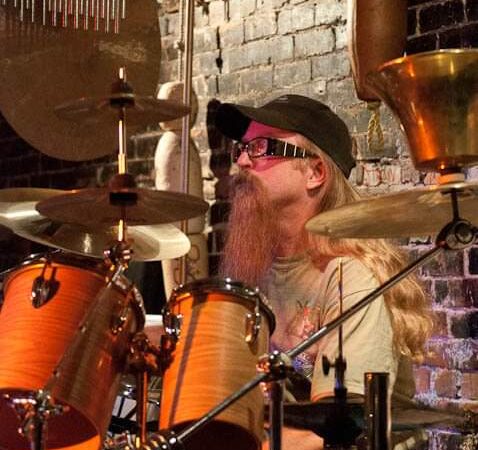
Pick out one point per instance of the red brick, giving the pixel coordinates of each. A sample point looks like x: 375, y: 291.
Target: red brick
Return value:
x: 469, y: 386
x: 440, y: 327
x: 446, y: 384
x: 422, y: 379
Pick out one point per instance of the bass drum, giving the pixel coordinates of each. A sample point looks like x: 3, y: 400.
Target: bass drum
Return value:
x: 225, y: 328
x: 66, y: 329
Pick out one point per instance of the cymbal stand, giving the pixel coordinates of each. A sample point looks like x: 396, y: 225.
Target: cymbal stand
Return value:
x: 456, y: 235
x: 142, y: 353
x: 34, y: 410
x: 340, y: 429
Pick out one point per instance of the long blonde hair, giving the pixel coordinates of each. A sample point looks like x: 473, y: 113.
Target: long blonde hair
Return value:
x: 407, y: 303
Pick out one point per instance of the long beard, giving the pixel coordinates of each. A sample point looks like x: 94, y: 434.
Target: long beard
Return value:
x: 253, y: 232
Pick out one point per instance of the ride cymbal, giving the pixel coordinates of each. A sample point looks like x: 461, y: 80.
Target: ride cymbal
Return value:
x: 106, y: 206
x: 149, y: 243
x: 418, y: 212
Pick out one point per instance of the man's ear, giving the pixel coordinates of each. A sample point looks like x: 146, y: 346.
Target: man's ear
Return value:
x: 316, y: 173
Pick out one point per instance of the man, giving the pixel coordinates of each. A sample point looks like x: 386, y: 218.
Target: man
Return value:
x: 294, y: 157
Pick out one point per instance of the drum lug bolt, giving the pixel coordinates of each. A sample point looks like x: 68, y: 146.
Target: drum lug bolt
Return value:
x: 253, y: 323
x: 172, y: 324
x: 43, y: 290
x: 253, y: 326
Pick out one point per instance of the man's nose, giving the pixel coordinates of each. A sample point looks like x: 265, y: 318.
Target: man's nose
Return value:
x: 244, y: 161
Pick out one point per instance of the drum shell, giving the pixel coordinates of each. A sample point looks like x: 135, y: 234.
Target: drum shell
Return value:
x: 211, y: 361
x: 33, y: 341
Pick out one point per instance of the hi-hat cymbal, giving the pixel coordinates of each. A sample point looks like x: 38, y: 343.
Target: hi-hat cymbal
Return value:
x: 149, y: 243
x: 418, y: 212
x: 141, y: 110
x: 105, y: 206
x: 313, y: 415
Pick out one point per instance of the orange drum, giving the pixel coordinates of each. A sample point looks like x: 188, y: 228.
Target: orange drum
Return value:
x: 224, y: 329
x: 65, y: 329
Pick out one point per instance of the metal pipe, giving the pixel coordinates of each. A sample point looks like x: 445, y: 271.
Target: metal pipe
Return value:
x: 377, y: 411
x: 186, y: 121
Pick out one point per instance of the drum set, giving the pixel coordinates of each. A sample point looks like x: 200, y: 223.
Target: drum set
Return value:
x: 72, y: 325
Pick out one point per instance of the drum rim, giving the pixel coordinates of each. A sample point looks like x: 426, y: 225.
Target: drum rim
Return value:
x: 35, y: 260
x: 59, y: 257
x: 229, y: 286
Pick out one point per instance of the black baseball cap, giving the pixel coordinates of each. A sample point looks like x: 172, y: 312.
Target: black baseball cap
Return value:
x: 303, y: 115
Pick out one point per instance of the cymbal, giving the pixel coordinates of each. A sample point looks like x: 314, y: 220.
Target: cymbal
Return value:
x: 418, y: 212
x: 73, y: 64
x: 149, y: 243
x: 105, y: 206
x: 141, y: 110
x: 313, y: 415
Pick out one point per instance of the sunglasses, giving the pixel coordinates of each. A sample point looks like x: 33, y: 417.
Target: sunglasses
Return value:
x: 258, y: 147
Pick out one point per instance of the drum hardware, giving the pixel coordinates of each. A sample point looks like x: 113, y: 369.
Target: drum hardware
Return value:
x: 253, y: 324
x: 172, y: 332
x: 43, y: 290
x: 341, y: 430
x: 277, y: 366
x: 144, y: 359
x: 377, y: 412
x: 33, y: 411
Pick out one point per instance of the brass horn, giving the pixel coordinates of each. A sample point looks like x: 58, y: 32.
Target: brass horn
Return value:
x: 435, y: 97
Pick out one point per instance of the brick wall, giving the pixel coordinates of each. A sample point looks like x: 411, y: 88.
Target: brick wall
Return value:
x: 253, y: 50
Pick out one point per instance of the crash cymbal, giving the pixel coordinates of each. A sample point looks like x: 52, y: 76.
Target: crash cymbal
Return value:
x: 42, y: 67
x: 149, y: 243
x: 141, y: 110
x: 418, y: 212
x: 105, y: 206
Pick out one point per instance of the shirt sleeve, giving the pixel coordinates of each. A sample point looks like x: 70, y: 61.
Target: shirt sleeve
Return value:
x: 367, y: 336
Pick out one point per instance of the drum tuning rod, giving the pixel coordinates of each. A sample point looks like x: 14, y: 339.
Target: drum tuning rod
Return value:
x: 123, y: 9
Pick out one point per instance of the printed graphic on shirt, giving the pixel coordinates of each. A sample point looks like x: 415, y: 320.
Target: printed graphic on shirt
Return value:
x: 304, y: 323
